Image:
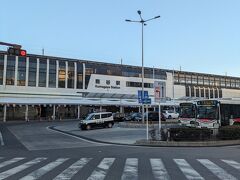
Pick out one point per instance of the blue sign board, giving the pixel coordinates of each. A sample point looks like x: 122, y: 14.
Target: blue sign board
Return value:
x: 143, y: 97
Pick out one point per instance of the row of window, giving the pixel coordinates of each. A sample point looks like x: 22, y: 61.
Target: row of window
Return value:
x: 192, y: 91
x: 206, y: 80
x: 108, y: 82
x: 138, y: 84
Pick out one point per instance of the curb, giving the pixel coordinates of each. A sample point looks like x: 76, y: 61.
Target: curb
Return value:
x: 150, y: 143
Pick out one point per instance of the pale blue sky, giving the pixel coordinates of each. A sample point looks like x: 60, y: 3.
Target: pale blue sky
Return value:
x: 199, y: 35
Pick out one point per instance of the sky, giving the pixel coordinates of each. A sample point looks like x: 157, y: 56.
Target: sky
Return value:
x: 196, y: 35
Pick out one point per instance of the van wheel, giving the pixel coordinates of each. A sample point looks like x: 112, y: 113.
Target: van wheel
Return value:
x: 169, y: 117
x: 88, y: 127
x: 110, y: 125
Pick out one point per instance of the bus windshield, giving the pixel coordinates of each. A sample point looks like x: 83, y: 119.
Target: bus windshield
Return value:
x: 207, y: 112
x: 187, y: 112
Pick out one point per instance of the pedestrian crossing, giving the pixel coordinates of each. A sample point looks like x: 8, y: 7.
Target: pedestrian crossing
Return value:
x: 25, y: 168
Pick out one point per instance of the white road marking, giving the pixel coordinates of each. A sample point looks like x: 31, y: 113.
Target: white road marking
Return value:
x: 73, y: 169
x: 187, y: 169
x: 100, y: 172
x: 1, y: 139
x: 232, y: 163
x: 215, y: 169
x: 159, y: 170
x: 19, y: 168
x: 131, y: 169
x: 43, y: 170
x: 5, y: 163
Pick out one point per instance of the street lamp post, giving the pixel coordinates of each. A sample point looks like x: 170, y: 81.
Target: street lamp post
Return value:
x: 143, y: 23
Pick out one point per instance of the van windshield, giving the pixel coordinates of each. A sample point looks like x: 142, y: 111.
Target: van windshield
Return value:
x: 89, y: 117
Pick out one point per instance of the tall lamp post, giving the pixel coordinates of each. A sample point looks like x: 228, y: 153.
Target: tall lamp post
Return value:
x: 143, y: 23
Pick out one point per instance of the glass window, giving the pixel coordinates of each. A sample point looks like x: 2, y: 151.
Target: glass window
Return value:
x: 176, y: 78
x: 211, y: 93
x: 237, y: 83
x: 192, y: 92
x: 202, y: 92
x: 188, y: 79
x: 181, y: 78
x: 206, y: 80
x: 228, y: 83
x: 216, y: 93
x: 97, y: 81
x: 160, y: 74
x: 207, y: 93
x: 211, y: 80
x: 223, y: 82
x: 197, y: 92
x: 71, y: 72
x: 187, y: 91
x: 148, y: 85
x: 79, y: 75
x: 32, y: 71
x: 148, y: 73
x: 108, y: 82
x: 61, y: 74
x: 117, y: 83
x: 1, y: 68
x: 220, y: 93
x: 200, y: 80
x: 89, y: 69
x: 217, y: 82
x: 21, y: 76
x: 42, y: 73
x: 233, y: 83
x: 52, y: 73
x: 10, y: 76
x: 194, y: 79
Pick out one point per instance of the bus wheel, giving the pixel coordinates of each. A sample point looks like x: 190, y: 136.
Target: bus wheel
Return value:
x: 88, y: 127
x: 110, y: 125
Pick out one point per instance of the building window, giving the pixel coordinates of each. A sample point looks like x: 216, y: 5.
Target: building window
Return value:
x: 233, y: 83
x: 216, y: 93
x: 188, y: 79
x: 206, y: 80
x: 97, y: 81
x: 197, y: 92
x: 223, y: 82
x: 211, y: 80
x: 70, y: 77
x: 192, y: 92
x: 117, y: 83
x: 52, y: 74
x: 220, y: 93
x: 32, y: 72
x: 194, y: 79
x: 10, y: 76
x: 79, y: 75
x: 61, y: 74
x: 211, y: 93
x: 42, y: 73
x: 1, y: 68
x: 207, y: 93
x: 237, y: 83
x: 176, y: 78
x: 202, y: 92
x: 200, y: 80
x: 228, y: 83
x: 108, y: 82
x: 182, y: 78
x: 21, y: 76
x: 89, y: 69
x: 138, y: 84
x: 217, y: 82
x: 187, y: 91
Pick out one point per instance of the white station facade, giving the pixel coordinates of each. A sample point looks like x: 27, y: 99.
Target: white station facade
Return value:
x: 49, y: 88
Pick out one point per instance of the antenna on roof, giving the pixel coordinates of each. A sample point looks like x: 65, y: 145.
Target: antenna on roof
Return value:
x: 43, y: 51
x: 121, y: 61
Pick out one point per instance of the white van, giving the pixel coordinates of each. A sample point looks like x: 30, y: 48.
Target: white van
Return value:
x: 101, y: 119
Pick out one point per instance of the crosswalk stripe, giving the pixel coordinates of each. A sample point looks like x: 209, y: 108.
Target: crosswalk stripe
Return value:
x: 73, y: 169
x: 19, y: 168
x: 215, y: 169
x: 100, y: 172
x: 131, y: 169
x: 5, y: 163
x: 187, y: 169
x: 159, y: 170
x: 43, y: 170
x: 232, y: 163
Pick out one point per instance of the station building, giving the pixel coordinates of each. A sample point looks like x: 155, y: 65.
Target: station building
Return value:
x: 40, y: 87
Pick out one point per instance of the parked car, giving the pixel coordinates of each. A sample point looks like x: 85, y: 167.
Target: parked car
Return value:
x: 170, y: 114
x: 132, y: 117
x: 101, y: 119
x: 118, y: 117
x: 152, y: 116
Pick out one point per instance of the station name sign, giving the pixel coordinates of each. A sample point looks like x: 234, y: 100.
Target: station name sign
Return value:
x: 107, y: 87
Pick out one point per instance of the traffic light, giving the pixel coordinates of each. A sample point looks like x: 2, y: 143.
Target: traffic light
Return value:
x: 17, y: 52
